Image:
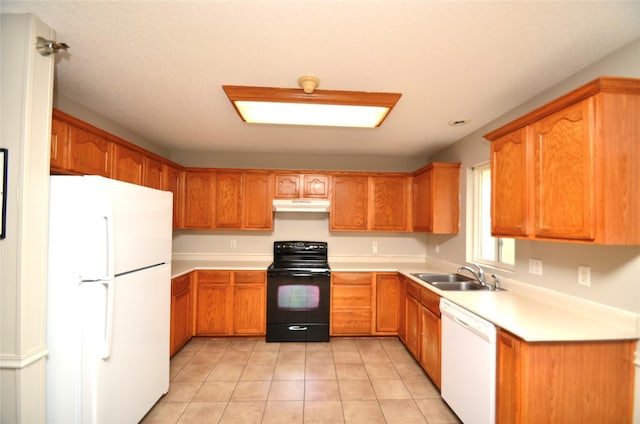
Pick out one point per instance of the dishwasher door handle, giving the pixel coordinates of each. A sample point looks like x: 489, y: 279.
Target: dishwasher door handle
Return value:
x: 461, y: 322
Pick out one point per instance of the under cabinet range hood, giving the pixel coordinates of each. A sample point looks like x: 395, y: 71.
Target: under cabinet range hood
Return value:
x: 301, y: 205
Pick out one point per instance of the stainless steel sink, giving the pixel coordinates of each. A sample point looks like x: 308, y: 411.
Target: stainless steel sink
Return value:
x: 457, y: 285
x: 436, y: 278
x: 450, y: 282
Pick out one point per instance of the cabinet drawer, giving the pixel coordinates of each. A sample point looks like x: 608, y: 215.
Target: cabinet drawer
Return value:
x: 249, y: 277
x: 430, y: 300
x: 413, y: 289
x: 351, y: 322
x: 351, y: 278
x: 351, y: 297
x: 223, y: 277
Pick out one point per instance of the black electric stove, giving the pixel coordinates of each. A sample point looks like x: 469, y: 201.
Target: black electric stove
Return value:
x: 298, y: 292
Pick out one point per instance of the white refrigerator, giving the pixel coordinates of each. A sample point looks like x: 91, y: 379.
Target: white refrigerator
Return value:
x: 108, y: 300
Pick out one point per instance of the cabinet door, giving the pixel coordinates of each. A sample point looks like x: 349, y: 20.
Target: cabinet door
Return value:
x: 389, y: 203
x: 59, y: 145
x: 387, y: 303
x: 509, y: 189
x: 199, y: 199
x: 412, y: 317
x: 153, y: 173
x: 228, y: 212
x: 349, y: 205
x: 315, y: 186
x: 287, y: 186
x: 181, y: 312
x: 249, y: 303
x: 422, y: 204
x: 436, y: 198
x: 249, y: 309
x: 508, y: 379
x: 214, y: 303
x: 173, y: 181
x: 258, y: 209
x: 127, y: 165
x: 402, y: 309
x: 89, y: 154
x: 430, y: 342
x: 565, y: 173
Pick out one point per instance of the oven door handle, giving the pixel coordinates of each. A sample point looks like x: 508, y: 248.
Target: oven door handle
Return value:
x: 297, y: 328
x: 301, y: 274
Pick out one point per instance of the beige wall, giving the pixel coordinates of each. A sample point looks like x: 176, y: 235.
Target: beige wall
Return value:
x: 301, y: 226
x: 319, y: 162
x: 76, y: 109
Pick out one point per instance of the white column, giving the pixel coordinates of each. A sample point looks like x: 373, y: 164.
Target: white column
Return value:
x: 25, y: 116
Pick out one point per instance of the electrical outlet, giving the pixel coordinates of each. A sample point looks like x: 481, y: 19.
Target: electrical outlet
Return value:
x: 437, y: 248
x: 374, y: 247
x: 535, y: 266
x: 233, y: 244
x: 584, y: 276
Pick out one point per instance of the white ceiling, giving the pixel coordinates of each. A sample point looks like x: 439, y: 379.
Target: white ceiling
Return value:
x: 157, y: 67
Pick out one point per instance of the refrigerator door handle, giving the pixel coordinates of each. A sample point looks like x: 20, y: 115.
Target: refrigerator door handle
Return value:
x: 98, y: 262
x: 105, y: 350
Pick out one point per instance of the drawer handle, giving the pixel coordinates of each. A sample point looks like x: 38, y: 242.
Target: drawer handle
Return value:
x: 297, y: 328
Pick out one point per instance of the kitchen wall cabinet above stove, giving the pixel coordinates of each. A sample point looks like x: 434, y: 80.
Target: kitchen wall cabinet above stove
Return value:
x: 568, y: 171
x: 301, y: 186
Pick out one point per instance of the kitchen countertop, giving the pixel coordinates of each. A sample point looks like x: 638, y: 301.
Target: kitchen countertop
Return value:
x: 535, y: 315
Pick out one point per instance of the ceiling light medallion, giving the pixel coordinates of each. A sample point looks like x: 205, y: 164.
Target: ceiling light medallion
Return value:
x: 289, y: 106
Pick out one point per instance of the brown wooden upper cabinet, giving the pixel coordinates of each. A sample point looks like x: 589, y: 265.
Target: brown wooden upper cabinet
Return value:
x: 370, y: 202
x: 217, y: 199
x: 436, y: 198
x: 173, y: 181
x: 569, y: 169
x: 199, y: 198
x: 301, y: 186
x: 349, y: 203
x: 127, y: 165
x: 89, y: 153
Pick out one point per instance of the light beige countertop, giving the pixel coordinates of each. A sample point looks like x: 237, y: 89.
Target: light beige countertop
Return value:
x: 179, y: 268
x: 534, y: 314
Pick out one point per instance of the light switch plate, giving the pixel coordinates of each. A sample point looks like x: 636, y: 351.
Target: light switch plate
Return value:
x: 584, y: 276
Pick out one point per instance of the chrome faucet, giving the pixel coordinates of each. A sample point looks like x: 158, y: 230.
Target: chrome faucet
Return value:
x: 478, y: 273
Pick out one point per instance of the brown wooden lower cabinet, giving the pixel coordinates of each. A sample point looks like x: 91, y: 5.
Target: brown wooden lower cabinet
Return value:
x: 230, y: 303
x: 351, y: 303
x: 564, y: 382
x: 421, y: 329
x: 181, y: 327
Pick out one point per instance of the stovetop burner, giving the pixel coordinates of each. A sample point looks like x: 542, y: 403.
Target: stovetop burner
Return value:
x: 300, y: 255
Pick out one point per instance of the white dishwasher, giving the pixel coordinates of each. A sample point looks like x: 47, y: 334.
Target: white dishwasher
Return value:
x: 468, y: 364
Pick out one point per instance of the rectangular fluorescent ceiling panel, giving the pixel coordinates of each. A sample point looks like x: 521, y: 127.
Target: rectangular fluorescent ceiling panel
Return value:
x: 264, y: 105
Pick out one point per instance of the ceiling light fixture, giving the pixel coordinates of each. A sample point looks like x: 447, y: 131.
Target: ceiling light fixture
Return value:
x: 290, y: 106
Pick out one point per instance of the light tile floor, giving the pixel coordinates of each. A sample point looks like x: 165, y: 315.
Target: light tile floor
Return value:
x: 348, y: 380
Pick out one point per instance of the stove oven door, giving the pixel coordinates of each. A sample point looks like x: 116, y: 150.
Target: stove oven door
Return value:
x: 298, y: 306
